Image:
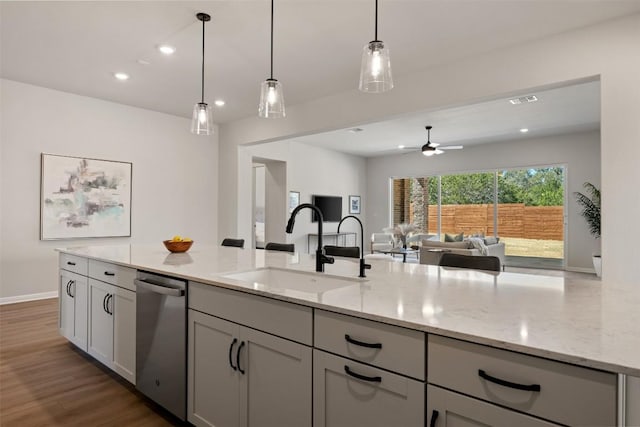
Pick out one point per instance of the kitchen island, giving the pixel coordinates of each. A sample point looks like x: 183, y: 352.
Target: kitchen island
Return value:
x: 449, y: 318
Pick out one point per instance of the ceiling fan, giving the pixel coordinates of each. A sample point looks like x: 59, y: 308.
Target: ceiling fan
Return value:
x: 431, y: 148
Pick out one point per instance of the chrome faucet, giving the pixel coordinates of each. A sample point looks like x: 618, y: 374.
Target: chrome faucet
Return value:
x: 321, y: 258
x: 363, y: 266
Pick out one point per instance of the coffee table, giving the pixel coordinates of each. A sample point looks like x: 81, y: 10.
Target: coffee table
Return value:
x: 401, y: 251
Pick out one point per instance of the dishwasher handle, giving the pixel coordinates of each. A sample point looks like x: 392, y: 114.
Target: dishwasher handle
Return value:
x: 159, y: 289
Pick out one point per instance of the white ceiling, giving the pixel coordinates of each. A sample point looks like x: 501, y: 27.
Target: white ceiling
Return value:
x: 561, y: 110
x: 75, y: 46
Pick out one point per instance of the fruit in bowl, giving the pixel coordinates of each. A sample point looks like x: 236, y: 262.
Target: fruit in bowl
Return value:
x: 178, y: 244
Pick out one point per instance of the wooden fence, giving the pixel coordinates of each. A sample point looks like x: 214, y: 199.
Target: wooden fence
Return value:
x: 514, y: 220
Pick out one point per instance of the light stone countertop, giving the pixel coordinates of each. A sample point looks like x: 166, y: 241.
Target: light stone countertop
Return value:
x: 585, y: 322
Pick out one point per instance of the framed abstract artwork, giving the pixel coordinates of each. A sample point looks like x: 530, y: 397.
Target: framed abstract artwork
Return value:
x: 82, y: 198
x: 354, y: 204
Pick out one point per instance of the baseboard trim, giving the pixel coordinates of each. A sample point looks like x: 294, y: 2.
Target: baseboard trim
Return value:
x: 29, y: 297
x: 581, y: 270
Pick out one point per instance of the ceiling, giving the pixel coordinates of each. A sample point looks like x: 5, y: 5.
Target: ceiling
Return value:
x: 561, y: 110
x: 76, y: 46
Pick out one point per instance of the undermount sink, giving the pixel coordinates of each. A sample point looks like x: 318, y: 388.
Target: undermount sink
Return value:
x: 308, y: 282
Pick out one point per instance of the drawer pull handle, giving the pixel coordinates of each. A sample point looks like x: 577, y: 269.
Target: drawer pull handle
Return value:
x: 71, y: 263
x: 525, y: 387
x: 235, y: 340
x: 238, y: 358
x: 434, y: 418
x: 362, y: 377
x: 108, y: 273
x: 360, y: 343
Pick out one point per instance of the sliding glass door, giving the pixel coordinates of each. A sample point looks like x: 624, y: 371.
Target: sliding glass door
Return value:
x: 531, y: 216
x: 524, y: 208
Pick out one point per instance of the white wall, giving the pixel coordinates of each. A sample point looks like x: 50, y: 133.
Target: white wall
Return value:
x: 579, y: 151
x: 174, y: 175
x: 608, y: 50
x: 309, y: 170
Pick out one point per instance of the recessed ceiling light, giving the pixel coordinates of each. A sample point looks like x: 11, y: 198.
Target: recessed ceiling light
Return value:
x: 219, y: 102
x: 401, y: 146
x: 524, y: 130
x: 121, y: 76
x: 166, y: 49
x: 356, y: 130
x: 143, y: 62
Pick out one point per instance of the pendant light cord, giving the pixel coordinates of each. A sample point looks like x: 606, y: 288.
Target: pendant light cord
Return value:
x: 376, y: 37
x: 272, y: 39
x: 202, y: 86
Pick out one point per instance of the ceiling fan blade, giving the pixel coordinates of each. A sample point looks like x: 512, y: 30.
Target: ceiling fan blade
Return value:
x: 438, y: 151
x: 434, y: 144
x: 408, y: 148
x: 452, y: 147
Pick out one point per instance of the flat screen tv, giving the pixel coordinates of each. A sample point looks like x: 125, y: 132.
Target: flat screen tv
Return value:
x: 330, y: 206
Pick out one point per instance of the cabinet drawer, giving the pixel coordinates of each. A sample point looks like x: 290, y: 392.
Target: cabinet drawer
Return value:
x: 280, y: 318
x: 73, y: 263
x: 112, y: 273
x: 400, y: 350
x: 567, y: 394
x: 453, y: 409
x: 348, y: 393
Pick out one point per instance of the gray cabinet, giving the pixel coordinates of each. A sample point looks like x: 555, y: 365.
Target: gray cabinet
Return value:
x: 99, y: 316
x: 100, y: 342
x: 448, y: 409
x: 563, y: 393
x: 72, y: 319
x: 112, y: 319
x: 367, y: 373
x: 348, y: 393
x: 239, y: 376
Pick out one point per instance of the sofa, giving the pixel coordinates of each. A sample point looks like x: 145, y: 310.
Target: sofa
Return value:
x: 430, y: 251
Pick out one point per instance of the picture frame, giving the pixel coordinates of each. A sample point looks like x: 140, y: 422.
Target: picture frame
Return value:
x: 81, y: 197
x: 354, y: 204
x: 294, y: 200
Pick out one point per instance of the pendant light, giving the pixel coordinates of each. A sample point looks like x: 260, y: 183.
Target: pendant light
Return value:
x: 202, y: 122
x: 271, y: 98
x: 375, y: 72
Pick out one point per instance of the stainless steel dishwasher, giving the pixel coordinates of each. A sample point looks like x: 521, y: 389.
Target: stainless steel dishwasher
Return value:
x: 161, y: 343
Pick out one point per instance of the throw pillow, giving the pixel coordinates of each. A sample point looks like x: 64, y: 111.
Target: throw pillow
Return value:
x: 490, y: 240
x: 453, y: 238
x: 426, y: 244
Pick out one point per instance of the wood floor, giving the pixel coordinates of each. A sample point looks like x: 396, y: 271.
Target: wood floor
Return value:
x: 46, y: 381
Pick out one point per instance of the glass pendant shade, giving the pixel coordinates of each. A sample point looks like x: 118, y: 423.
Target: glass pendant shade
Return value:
x: 271, y: 100
x: 202, y: 121
x: 375, y: 73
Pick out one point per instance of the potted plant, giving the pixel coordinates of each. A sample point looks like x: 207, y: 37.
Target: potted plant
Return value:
x: 590, y: 204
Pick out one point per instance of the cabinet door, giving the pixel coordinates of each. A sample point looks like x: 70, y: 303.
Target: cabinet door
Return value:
x: 449, y: 409
x: 213, y: 383
x: 276, y: 387
x: 73, y: 308
x: 123, y: 306
x: 377, y: 398
x: 65, y: 300
x: 100, y: 344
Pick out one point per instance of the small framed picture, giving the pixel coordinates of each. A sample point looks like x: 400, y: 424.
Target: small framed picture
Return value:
x: 354, y: 204
x: 294, y: 200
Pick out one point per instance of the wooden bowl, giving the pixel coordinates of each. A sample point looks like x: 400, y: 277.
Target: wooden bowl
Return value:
x: 177, y: 246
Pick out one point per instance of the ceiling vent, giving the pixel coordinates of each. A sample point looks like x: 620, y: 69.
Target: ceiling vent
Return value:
x: 523, y: 100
